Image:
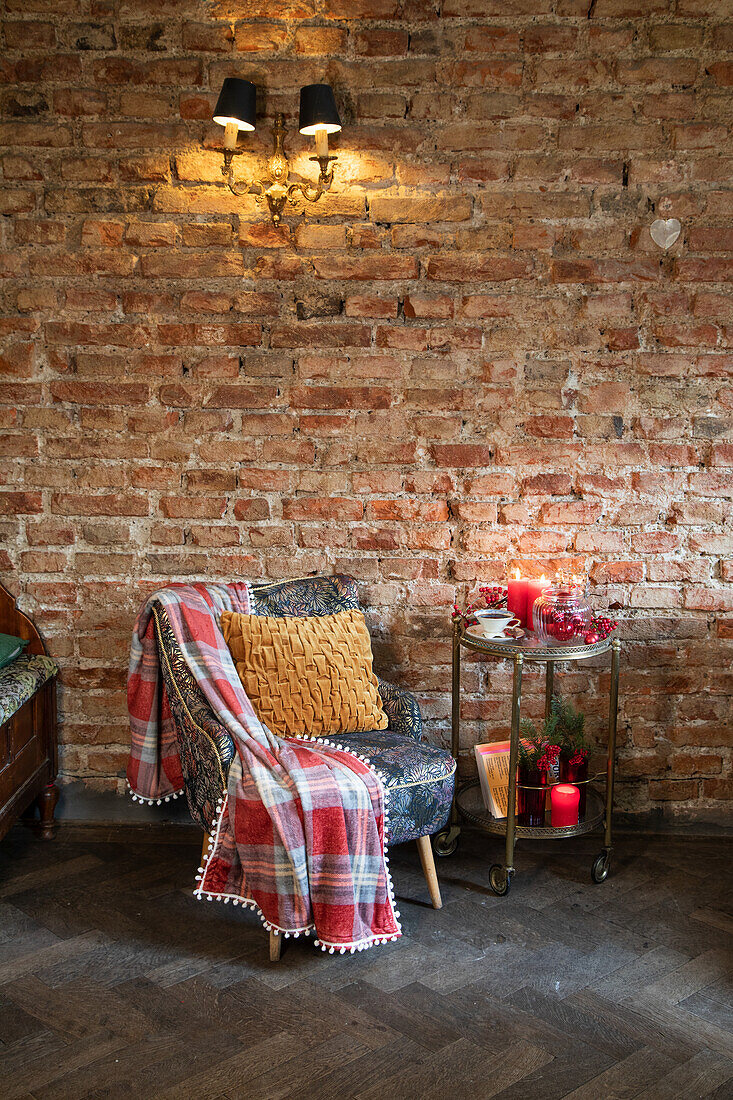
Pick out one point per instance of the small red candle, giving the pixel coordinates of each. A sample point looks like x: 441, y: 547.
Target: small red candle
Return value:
x: 535, y: 588
x: 516, y: 596
x: 564, y: 803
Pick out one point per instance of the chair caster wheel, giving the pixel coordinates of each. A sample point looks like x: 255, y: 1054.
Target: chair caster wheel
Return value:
x: 601, y: 867
x: 445, y: 844
x: 500, y: 880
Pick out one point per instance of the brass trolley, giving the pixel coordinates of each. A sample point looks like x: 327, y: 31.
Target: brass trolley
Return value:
x: 468, y: 804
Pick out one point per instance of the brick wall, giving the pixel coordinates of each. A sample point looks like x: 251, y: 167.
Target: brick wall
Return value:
x: 470, y: 353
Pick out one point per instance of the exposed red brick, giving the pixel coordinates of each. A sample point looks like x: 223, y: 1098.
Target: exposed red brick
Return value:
x: 718, y: 788
x: 672, y: 790
x: 331, y: 508
x: 461, y: 269
x: 462, y: 454
x: 320, y: 336
x: 496, y: 363
x: 434, y: 512
x: 20, y: 503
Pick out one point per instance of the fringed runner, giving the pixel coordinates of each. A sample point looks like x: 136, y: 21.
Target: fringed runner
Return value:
x: 300, y: 829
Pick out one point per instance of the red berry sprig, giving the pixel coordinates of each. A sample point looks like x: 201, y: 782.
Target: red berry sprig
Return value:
x: 494, y: 595
x: 467, y: 616
x: 548, y: 758
x: 599, y: 629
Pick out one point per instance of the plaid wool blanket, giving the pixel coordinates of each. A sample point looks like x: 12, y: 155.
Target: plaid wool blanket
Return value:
x: 300, y: 829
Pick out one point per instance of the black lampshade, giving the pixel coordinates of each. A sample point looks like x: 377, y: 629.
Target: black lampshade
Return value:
x: 318, y: 109
x: 236, y: 103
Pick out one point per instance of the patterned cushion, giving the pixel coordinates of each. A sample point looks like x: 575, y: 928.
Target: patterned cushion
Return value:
x: 419, y: 781
x: 20, y: 681
x: 401, y: 707
x: 306, y: 596
x: 306, y: 674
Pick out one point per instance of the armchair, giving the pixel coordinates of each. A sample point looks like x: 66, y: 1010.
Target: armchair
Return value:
x: 419, y: 777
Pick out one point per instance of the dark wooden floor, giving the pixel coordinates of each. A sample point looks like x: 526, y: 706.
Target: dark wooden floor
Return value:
x: 116, y: 982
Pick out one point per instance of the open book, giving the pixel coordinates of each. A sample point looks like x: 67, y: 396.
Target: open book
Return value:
x: 492, y: 761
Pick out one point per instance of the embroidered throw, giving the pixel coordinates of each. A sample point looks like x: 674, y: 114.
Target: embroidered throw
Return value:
x: 300, y: 829
x: 307, y: 675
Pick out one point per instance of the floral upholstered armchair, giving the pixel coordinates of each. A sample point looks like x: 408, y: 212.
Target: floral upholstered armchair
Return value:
x: 419, y: 777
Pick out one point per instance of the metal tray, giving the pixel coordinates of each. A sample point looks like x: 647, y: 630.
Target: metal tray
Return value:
x: 471, y: 807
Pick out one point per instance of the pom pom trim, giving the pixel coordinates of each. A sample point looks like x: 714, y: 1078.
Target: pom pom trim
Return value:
x: 350, y: 947
x: 136, y: 797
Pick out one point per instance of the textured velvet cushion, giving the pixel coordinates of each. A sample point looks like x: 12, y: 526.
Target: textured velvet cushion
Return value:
x: 325, y: 596
x: 306, y: 675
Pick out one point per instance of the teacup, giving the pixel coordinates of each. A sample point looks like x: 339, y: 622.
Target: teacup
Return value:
x: 492, y: 623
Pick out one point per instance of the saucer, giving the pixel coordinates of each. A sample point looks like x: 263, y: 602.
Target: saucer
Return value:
x: 511, y: 634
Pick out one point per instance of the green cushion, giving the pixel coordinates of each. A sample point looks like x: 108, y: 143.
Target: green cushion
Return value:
x: 10, y: 648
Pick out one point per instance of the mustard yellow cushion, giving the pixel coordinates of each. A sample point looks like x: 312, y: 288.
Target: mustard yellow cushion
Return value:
x: 307, y: 675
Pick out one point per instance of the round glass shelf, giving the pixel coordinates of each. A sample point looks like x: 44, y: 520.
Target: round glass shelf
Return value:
x: 532, y: 649
x: 472, y: 809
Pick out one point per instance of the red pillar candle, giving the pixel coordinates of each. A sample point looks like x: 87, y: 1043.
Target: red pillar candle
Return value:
x: 516, y: 597
x: 535, y: 588
x: 564, y: 803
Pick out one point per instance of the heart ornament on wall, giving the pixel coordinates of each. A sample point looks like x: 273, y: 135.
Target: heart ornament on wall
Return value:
x: 665, y: 231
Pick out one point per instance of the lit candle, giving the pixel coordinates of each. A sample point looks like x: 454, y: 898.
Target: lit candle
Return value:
x: 564, y: 803
x: 516, y: 597
x: 535, y: 588
x: 321, y: 141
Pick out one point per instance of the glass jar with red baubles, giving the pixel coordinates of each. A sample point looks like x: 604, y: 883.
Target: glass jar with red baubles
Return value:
x: 562, y: 613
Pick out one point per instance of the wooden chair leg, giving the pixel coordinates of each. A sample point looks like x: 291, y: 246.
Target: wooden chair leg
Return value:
x: 205, y: 848
x: 47, y: 800
x: 425, y: 849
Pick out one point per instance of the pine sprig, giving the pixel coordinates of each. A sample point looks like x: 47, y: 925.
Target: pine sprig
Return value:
x: 569, y: 727
x: 538, y: 748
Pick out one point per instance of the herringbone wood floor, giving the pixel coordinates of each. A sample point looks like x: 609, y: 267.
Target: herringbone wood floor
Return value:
x: 116, y: 982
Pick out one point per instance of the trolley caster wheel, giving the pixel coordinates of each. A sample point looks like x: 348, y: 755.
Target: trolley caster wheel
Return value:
x: 445, y: 844
x: 499, y: 880
x: 601, y: 867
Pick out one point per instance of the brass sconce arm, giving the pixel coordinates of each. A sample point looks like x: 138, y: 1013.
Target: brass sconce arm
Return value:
x: 275, y: 189
x: 312, y: 191
x: 240, y: 189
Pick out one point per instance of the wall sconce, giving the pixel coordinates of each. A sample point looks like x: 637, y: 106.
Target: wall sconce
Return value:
x: 235, y: 111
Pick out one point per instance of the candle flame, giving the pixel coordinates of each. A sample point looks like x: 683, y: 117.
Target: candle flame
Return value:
x: 517, y: 575
x: 543, y: 577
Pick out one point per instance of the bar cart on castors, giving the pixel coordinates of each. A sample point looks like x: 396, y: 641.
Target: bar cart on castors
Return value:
x: 468, y: 805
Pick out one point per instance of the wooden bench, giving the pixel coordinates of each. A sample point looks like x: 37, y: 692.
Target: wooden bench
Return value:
x: 28, y: 746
